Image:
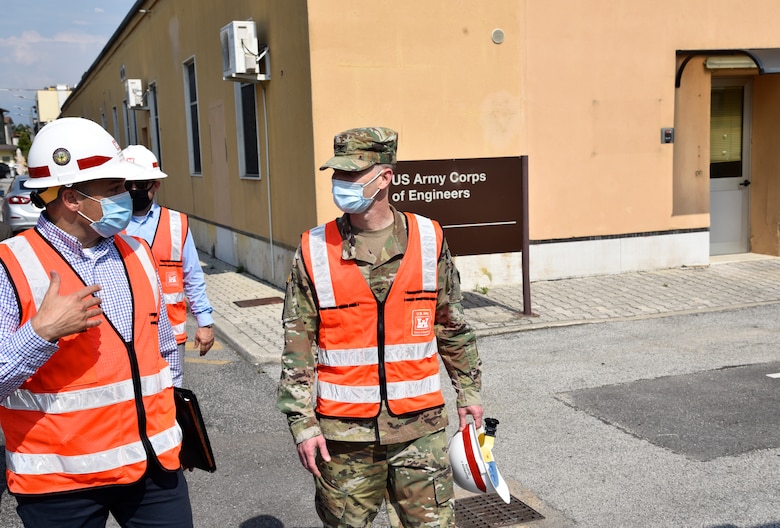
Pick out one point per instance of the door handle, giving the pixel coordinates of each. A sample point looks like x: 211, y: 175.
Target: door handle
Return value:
x: 745, y: 183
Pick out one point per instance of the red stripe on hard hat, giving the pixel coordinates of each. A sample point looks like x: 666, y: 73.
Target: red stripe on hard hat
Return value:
x: 473, y: 467
x: 92, y: 161
x: 38, y: 172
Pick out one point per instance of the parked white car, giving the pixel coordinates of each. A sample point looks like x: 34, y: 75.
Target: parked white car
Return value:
x: 17, y: 209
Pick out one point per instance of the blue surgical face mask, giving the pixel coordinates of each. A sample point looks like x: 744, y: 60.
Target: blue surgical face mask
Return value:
x: 349, y: 197
x: 117, y: 211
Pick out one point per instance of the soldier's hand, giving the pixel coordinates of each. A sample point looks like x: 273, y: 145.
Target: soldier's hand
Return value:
x: 475, y: 411
x: 307, y: 452
x: 62, y: 315
x: 204, y: 338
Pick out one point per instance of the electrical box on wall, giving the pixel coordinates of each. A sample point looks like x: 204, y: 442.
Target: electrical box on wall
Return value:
x: 243, y: 59
x: 134, y: 93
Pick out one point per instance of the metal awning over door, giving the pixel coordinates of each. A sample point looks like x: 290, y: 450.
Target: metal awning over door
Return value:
x: 767, y: 60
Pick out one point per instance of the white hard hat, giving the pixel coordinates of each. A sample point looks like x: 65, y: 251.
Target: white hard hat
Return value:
x: 470, y: 470
x: 73, y: 150
x: 144, y: 157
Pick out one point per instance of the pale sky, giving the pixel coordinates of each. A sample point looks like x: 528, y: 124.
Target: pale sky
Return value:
x: 48, y: 42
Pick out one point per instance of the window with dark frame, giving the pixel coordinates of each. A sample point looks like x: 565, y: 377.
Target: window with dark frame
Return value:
x: 194, y: 131
x: 726, y: 115
x: 154, y: 117
x: 115, y: 115
x: 126, y: 139
x: 131, y: 132
x: 248, y: 112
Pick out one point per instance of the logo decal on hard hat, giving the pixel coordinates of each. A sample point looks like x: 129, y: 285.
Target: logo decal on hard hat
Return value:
x: 61, y: 156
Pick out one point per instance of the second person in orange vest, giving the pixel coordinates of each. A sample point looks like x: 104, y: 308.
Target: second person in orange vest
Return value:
x: 168, y: 233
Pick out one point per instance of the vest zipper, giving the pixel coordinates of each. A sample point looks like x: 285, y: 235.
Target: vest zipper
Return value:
x: 380, y: 337
x: 139, y: 402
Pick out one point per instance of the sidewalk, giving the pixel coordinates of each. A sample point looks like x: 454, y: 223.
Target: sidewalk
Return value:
x: 539, y: 464
x: 741, y: 281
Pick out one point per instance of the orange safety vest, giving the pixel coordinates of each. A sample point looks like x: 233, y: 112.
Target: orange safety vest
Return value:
x: 168, y: 247
x: 95, y: 412
x: 369, y: 352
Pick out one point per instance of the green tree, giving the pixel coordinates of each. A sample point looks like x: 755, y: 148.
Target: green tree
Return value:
x: 23, y: 132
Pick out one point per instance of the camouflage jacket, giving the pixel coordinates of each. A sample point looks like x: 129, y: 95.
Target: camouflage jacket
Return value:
x: 456, y: 341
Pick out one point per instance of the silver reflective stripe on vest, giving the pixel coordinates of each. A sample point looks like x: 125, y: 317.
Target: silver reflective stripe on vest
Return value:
x: 26, y: 464
x: 411, y: 351
x: 348, y: 357
x: 410, y: 389
x: 85, y: 399
x: 179, y: 328
x: 348, y: 394
x: 370, y: 355
x: 173, y: 298
x: 37, y: 278
x: 150, y: 269
x: 176, y: 232
x: 323, y: 283
x: 429, y: 251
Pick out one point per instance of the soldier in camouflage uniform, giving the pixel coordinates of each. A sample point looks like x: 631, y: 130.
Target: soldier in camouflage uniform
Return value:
x: 359, y: 461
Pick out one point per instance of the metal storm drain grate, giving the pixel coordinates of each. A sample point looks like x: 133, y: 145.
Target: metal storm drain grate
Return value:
x: 483, y: 511
x: 258, y: 302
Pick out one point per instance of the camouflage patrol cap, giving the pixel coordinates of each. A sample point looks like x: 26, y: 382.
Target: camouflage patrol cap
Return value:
x: 357, y: 149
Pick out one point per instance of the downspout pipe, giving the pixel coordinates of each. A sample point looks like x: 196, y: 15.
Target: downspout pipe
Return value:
x: 268, y: 187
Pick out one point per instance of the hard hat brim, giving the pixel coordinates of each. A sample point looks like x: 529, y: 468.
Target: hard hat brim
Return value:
x: 477, y: 476
x: 148, y: 174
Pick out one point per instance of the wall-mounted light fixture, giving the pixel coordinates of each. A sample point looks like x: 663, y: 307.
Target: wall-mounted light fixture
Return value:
x: 726, y: 62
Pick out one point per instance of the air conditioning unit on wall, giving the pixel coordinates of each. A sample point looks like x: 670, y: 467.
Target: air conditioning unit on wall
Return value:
x: 134, y: 93
x: 242, y: 58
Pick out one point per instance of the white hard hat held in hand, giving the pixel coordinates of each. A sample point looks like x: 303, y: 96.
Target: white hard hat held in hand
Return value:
x: 473, y: 466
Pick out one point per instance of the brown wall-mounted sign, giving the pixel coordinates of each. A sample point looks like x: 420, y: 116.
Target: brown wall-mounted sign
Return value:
x: 479, y: 202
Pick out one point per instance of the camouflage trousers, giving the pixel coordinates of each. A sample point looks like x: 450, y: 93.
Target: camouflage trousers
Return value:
x: 415, y: 476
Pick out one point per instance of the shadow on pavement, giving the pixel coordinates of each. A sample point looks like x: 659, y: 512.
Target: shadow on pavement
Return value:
x: 770, y: 525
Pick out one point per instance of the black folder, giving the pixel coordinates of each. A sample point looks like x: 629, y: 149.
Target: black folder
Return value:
x: 195, y: 448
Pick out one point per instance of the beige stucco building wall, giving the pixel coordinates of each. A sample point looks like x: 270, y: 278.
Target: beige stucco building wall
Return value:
x: 229, y: 215
x: 582, y: 88
x: 49, y: 101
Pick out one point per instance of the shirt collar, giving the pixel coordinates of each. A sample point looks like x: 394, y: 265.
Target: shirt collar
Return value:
x: 348, y: 247
x: 153, y: 212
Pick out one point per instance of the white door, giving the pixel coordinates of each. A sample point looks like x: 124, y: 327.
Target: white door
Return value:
x: 730, y: 166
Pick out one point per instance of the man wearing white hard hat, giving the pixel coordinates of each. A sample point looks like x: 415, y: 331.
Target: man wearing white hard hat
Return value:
x: 168, y: 232
x: 87, y: 355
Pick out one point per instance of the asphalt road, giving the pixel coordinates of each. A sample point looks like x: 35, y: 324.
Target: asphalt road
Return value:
x: 668, y: 422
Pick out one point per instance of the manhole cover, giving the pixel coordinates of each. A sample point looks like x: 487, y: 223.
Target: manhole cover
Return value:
x: 481, y: 511
x: 258, y: 302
